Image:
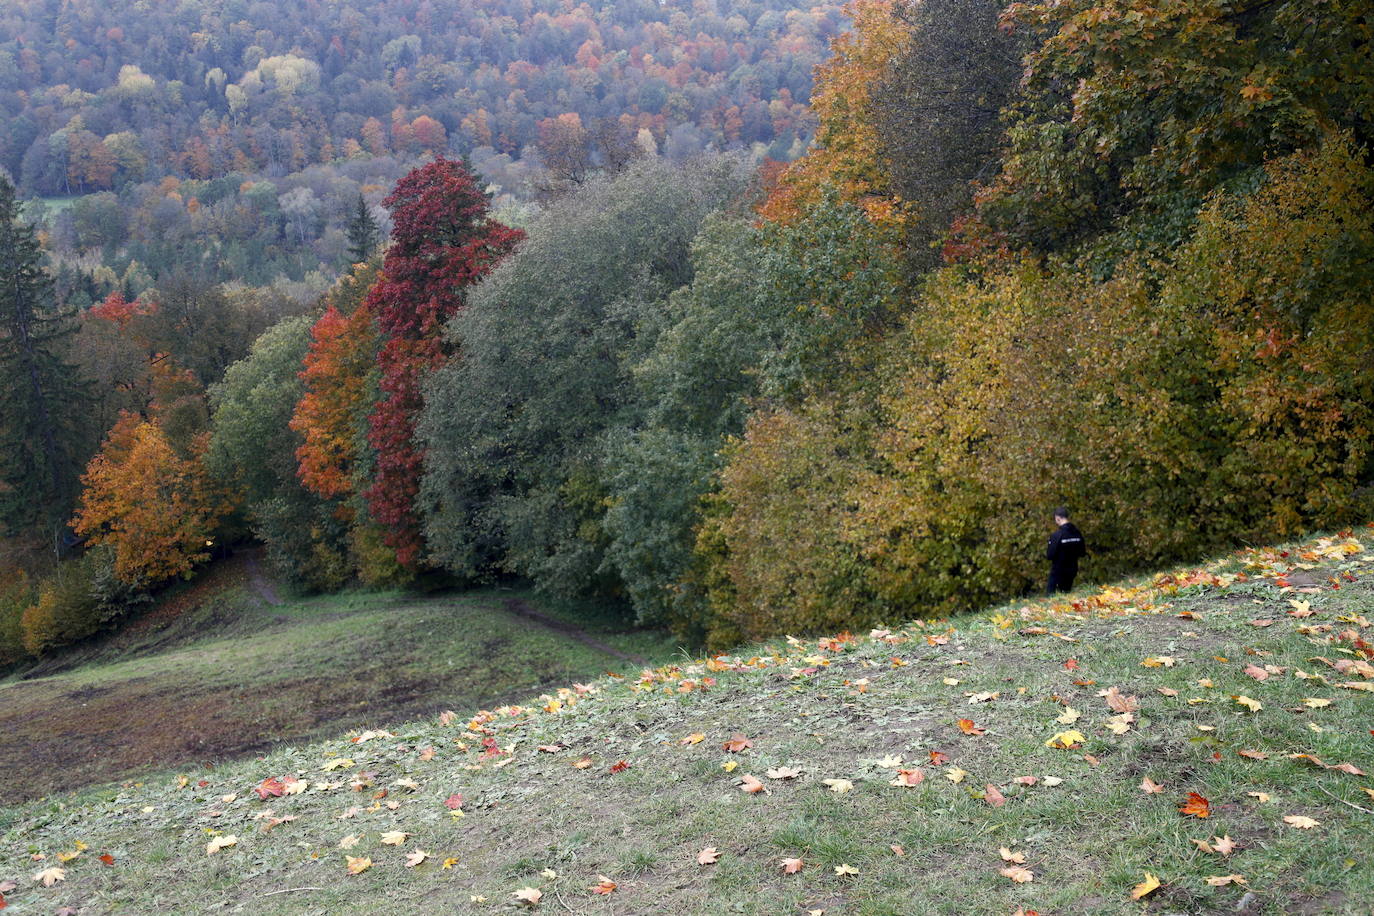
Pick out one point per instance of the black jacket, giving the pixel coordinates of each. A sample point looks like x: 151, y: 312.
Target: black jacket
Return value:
x: 1065, y: 548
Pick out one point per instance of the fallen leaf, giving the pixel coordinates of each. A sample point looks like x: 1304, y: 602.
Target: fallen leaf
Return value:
x: 620, y: 766
x: 582, y: 763
x: 1025, y: 780
x: 1167, y: 691
x: 1017, y: 858
x: 968, y: 727
x: 356, y: 866
x: 707, y: 856
x: 1017, y: 873
x: 1160, y: 661
x: 845, y: 869
x: 729, y: 766
x: 1118, y: 701
x: 1256, y: 672
x: 791, y: 866
x: 1347, y: 768
x: 394, y: 837
x: 449, y: 862
x: 1316, y: 702
x: 938, y: 758
x: 1299, y: 821
x: 1252, y: 705
x: 839, y: 786
x: 269, y: 788
x: 1053, y: 781
x: 530, y: 896
x: 694, y: 738
x: 897, y: 849
x: 415, y: 858
x: 603, y: 885
x: 1146, y: 887
x: 454, y: 801
x: 1150, y: 787
x: 909, y: 779
x: 1222, y: 880
x: 338, y: 763
x: 751, y: 784
x: 348, y: 842
x: 1066, y: 740
x: 50, y: 876
x: 220, y: 842
x: 106, y: 858
x: 549, y: 874
x: 1253, y: 755
x: 1261, y: 797
x: 956, y: 774
x: 1196, y: 806
x: 1224, y: 845
x: 737, y: 743
x: 782, y: 773
x: 1069, y: 716
x: 993, y: 797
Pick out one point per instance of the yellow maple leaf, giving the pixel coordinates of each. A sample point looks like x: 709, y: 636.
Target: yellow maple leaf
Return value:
x: 1159, y: 661
x: 50, y: 876
x: 1252, y: 705
x: 1069, y: 716
x: 394, y: 837
x: 1300, y: 821
x: 356, y: 866
x: 338, y: 763
x: 1148, y: 886
x: 1066, y: 739
x: 839, y: 786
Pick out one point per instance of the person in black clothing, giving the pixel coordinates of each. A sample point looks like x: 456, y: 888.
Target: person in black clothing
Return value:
x: 1065, y: 548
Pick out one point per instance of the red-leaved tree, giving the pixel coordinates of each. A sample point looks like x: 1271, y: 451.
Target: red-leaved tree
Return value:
x: 443, y: 240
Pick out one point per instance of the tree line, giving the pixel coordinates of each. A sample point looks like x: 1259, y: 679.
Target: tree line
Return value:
x: 742, y: 403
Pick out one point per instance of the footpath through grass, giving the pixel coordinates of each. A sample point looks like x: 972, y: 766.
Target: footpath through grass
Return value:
x: 1193, y: 744
x: 216, y: 671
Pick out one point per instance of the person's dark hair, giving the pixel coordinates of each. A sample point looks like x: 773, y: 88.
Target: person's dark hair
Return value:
x: 1061, y: 512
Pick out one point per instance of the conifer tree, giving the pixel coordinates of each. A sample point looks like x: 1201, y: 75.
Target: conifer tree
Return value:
x: 40, y: 394
x: 363, y: 234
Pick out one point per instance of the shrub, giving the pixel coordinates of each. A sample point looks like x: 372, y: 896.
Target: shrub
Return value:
x: 16, y: 594
x: 80, y: 598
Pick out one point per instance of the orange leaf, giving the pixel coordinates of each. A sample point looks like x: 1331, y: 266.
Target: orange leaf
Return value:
x: 707, y: 856
x: 1146, y: 887
x: 737, y: 743
x: 938, y: 758
x: 1150, y: 787
x: 993, y: 797
x: 1018, y: 873
x: 751, y: 784
x: 968, y: 727
x: 620, y: 766
x: 604, y: 885
x: 1197, y: 806
x: 791, y: 866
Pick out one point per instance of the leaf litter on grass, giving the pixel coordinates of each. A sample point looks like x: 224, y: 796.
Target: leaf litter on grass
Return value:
x: 839, y: 748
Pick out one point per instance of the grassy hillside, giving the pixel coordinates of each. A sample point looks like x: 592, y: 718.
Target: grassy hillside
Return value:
x: 225, y: 667
x: 1025, y: 733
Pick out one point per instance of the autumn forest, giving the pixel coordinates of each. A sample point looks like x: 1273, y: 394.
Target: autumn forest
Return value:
x: 1033, y: 255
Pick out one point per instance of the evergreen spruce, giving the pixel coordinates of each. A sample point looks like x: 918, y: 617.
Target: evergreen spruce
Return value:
x: 363, y: 234
x: 40, y: 394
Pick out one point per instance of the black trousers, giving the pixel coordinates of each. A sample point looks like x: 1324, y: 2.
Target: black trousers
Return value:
x: 1061, y: 580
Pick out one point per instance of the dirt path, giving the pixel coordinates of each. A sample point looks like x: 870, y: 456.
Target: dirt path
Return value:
x: 521, y: 609
x: 260, y: 583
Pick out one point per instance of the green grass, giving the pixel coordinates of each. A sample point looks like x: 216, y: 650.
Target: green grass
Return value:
x: 531, y: 818
x: 228, y: 674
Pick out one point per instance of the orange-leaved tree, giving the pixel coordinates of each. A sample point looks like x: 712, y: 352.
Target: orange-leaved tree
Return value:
x: 157, y: 508
x: 846, y: 151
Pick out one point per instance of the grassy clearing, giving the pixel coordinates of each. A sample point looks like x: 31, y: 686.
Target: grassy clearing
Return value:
x: 215, y: 671
x: 546, y: 805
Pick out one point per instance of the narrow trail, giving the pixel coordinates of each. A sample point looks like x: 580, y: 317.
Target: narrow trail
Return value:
x: 260, y: 584
x: 521, y: 609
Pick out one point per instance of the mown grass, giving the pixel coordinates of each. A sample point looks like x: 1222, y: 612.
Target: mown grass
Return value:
x: 231, y: 674
x: 834, y: 710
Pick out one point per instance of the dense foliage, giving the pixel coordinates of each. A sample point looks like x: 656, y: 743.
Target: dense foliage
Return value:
x: 1115, y: 257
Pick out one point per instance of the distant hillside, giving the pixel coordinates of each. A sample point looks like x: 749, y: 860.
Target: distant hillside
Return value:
x: 98, y: 95
x: 1195, y: 743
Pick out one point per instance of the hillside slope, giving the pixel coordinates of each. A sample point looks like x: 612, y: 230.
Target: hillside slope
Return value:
x: 901, y: 770
x: 226, y: 667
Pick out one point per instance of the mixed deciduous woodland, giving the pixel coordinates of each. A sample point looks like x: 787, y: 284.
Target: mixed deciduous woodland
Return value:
x: 1110, y: 255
